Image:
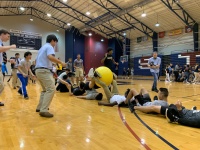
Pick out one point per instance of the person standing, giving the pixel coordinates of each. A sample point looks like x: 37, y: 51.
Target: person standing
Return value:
x: 14, y: 65
x: 108, y: 60
x: 59, y: 67
x: 78, y: 65
x: 22, y: 73
x: 44, y: 59
x: 154, y: 65
x: 70, y: 67
x: 4, y: 37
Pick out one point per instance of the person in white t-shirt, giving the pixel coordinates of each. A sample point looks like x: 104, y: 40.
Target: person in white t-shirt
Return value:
x: 113, y: 96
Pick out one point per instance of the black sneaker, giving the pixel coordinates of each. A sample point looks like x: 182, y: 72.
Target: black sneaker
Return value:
x: 96, y: 74
x: 131, y: 105
x: 26, y: 97
x: 20, y: 91
x: 155, y: 98
x: 1, y: 104
x: 194, y: 108
x: 170, y: 117
x: 99, y: 97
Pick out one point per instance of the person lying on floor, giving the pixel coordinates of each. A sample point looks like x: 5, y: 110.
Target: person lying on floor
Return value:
x: 175, y: 113
x: 91, y: 93
x: 143, y: 98
x: 64, y: 85
x: 113, y: 96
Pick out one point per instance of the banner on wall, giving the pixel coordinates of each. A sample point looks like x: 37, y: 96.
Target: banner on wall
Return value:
x: 139, y: 39
x: 161, y: 34
x: 188, y: 29
x: 25, y: 40
x: 175, y: 32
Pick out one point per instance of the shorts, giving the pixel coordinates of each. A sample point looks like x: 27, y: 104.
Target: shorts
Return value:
x: 143, y: 98
x: 91, y: 94
x: 79, y: 72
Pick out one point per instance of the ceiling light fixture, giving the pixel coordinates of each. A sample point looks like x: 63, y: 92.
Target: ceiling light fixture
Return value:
x: 102, y: 40
x: 88, y: 13
x: 22, y: 8
x: 90, y: 34
x: 31, y: 19
x: 57, y: 30
x: 64, y: 1
x: 49, y: 15
x: 157, y: 24
x: 68, y: 24
x: 143, y: 13
x: 124, y: 34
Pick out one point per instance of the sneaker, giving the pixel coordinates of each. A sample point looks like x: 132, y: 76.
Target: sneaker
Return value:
x: 1, y: 104
x: 91, y: 73
x: 26, y: 97
x: 131, y: 105
x: 96, y: 74
x: 99, y: 97
x: 155, y: 98
x: 194, y: 108
x: 170, y: 117
x: 38, y: 110
x: 20, y: 91
x: 46, y: 114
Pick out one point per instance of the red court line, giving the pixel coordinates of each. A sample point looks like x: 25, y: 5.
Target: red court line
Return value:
x: 132, y: 132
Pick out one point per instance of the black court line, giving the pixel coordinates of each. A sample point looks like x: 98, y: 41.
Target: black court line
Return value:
x: 163, y: 139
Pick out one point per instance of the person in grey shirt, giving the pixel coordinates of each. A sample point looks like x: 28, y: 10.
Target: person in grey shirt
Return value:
x: 154, y: 65
x: 70, y: 67
x: 78, y: 65
x: 135, y: 99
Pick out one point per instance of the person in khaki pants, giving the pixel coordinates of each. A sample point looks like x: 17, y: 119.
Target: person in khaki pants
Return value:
x: 14, y: 65
x: 44, y: 66
x: 4, y: 37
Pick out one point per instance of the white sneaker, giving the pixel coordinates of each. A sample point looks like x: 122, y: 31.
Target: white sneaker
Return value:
x: 91, y: 73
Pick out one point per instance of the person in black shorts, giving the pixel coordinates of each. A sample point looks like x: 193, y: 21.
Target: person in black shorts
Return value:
x: 175, y: 113
x: 65, y: 85
x: 108, y: 60
x: 143, y: 98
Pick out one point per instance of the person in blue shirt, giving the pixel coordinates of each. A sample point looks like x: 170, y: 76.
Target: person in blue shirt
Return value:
x: 4, y: 69
x: 4, y: 37
x: 43, y: 71
x: 154, y: 65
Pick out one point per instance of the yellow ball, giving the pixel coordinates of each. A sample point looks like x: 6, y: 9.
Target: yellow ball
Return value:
x: 106, y: 75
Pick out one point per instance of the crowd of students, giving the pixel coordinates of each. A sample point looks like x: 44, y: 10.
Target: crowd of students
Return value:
x: 187, y: 74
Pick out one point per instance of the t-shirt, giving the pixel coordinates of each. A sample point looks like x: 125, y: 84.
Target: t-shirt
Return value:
x: 154, y: 62
x: 156, y: 103
x: 185, y: 113
x: 108, y: 62
x: 69, y: 66
x: 17, y: 60
x: 1, y: 56
x: 118, y: 98
x: 61, y: 76
x: 24, y: 66
x: 197, y: 69
x: 78, y: 63
x: 42, y: 59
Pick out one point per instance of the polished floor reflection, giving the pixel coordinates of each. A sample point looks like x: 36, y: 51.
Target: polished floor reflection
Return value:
x: 82, y: 124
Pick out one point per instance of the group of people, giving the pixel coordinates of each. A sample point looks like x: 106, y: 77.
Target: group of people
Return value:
x: 132, y: 98
x: 186, y: 74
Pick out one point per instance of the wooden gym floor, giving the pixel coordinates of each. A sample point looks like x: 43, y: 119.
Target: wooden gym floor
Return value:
x: 82, y: 124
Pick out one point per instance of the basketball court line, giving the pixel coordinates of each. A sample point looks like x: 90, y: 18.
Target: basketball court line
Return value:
x: 132, y: 132
x: 149, y: 128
